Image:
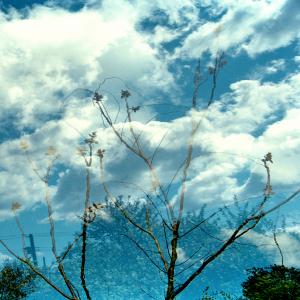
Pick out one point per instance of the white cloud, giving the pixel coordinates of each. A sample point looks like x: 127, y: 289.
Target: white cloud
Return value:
x: 224, y: 147
x: 253, y: 26
x: 273, y: 67
x: 51, y: 51
x: 182, y: 257
x: 279, y: 31
x: 231, y: 140
x: 235, y: 135
x: 283, y: 140
x: 4, y: 258
x: 47, y: 53
x: 289, y: 246
x: 177, y: 11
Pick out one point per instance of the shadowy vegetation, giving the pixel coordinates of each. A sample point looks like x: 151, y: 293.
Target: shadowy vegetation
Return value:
x: 118, y: 266
x: 16, y: 281
x: 272, y: 283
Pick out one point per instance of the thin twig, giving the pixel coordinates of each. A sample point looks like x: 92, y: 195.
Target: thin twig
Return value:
x: 125, y: 213
x: 278, y: 246
x: 145, y: 252
x: 69, y: 248
x: 41, y: 275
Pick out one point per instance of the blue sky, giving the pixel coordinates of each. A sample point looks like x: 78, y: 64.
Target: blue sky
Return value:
x: 49, y: 49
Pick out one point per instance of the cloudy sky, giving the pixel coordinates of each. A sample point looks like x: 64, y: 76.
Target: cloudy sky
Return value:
x: 54, y: 54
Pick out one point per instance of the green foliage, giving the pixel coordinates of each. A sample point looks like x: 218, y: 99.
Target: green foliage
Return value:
x: 16, y: 282
x: 210, y: 295
x: 274, y: 282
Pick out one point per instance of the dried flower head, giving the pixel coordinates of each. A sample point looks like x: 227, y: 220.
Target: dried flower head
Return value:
x: 125, y: 94
x: 268, y: 157
x: 81, y: 151
x: 51, y: 151
x: 135, y: 108
x: 100, y: 153
x: 98, y: 205
x: 218, y: 29
x: 97, y: 97
x: 92, y: 211
x: 92, y: 138
x: 268, y: 190
x: 24, y: 145
x: 15, y: 206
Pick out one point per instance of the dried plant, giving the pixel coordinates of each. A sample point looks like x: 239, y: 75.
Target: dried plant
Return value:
x: 90, y: 211
x: 15, y: 207
x: 159, y: 204
x: 73, y: 293
x: 172, y: 213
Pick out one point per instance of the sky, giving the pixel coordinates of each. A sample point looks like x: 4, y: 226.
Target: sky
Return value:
x: 55, y: 54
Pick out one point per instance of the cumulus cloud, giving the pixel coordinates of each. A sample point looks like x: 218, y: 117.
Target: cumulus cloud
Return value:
x: 289, y: 246
x: 230, y: 140
x: 278, y: 31
x: 282, y: 138
x: 50, y: 52
x: 47, y: 53
x: 253, y: 26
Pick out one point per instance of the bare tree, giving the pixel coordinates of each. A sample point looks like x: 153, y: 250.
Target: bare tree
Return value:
x: 88, y: 216
x: 159, y: 202
x: 164, y: 247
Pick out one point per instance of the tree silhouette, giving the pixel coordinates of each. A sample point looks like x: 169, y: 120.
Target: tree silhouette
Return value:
x: 16, y: 281
x: 272, y: 283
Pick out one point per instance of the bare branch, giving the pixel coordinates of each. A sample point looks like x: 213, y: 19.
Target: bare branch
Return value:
x: 69, y: 248
x: 219, y: 60
x: 90, y: 141
x: 148, y: 231
x: 15, y: 206
x: 189, y: 258
x: 36, y: 271
x: 296, y: 193
x: 45, y: 179
x: 200, y: 223
x: 278, y: 246
x: 145, y: 252
x: 241, y: 230
x: 154, y: 238
x: 197, y: 81
x: 213, y: 256
x: 154, y: 177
